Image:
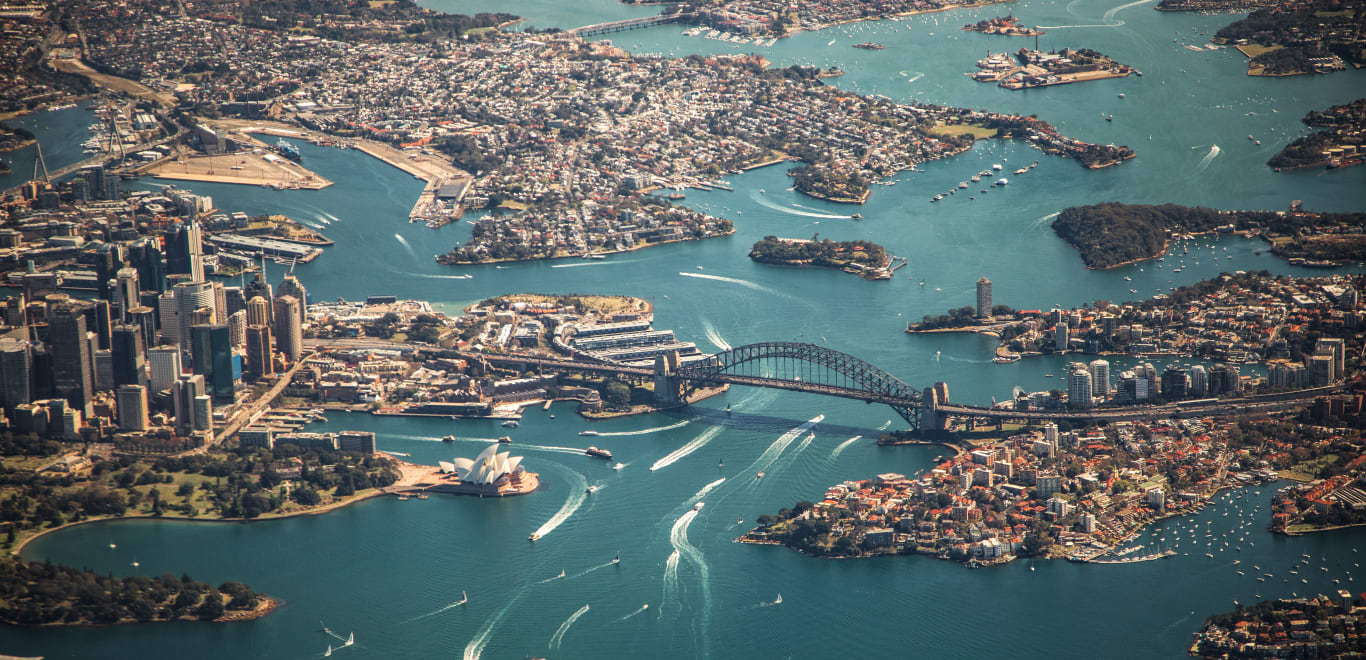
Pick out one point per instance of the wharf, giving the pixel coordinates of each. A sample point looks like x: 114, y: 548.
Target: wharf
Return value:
x: 246, y: 168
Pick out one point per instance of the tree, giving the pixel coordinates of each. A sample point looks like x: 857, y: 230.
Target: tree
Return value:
x: 618, y: 394
x: 211, y: 608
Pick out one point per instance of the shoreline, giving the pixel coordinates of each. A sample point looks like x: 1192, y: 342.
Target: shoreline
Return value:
x: 578, y: 256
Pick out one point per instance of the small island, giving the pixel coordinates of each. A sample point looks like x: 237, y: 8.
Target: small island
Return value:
x: 1035, y: 68
x: 1318, y: 627
x: 1340, y: 145
x: 1112, y: 235
x: 1008, y: 26
x: 831, y: 185
x: 865, y: 259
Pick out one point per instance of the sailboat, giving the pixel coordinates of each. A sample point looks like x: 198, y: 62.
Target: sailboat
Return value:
x: 329, y: 651
x: 351, y: 640
x: 778, y: 600
x: 617, y: 559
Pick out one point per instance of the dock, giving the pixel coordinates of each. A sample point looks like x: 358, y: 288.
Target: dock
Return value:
x: 1134, y: 560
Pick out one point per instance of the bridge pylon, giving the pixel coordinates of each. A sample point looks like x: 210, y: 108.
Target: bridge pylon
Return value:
x: 668, y: 386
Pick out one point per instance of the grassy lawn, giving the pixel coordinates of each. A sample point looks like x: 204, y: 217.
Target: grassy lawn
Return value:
x: 509, y: 204
x: 478, y: 31
x: 979, y: 132
x: 1253, y: 50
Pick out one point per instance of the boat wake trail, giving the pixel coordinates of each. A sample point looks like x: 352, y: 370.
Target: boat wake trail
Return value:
x: 670, y: 581
x: 843, y: 445
x: 404, y: 242
x: 594, y: 263
x: 714, y: 337
x: 770, y: 455
x: 693, y: 445
x: 590, y: 570
x: 564, y: 627
x: 475, y: 647
x: 1044, y: 220
x: 1108, y: 19
x: 437, y: 611
x: 639, y: 611
x: 577, y: 494
x: 783, y: 209
x: 703, y: 493
x: 678, y: 536
x: 1209, y: 158
x: 885, y: 425
x: 644, y: 431
x: 557, y: 450
x: 918, y: 75
x: 733, y: 280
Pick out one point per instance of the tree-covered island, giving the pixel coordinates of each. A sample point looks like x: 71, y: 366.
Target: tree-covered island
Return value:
x: 863, y: 258
x: 1341, y: 143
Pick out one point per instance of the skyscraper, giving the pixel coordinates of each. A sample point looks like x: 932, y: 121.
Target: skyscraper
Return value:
x: 147, y: 257
x: 258, y: 286
x: 164, y: 363
x: 1079, y: 388
x: 1060, y: 335
x: 290, y: 286
x: 73, y: 374
x: 258, y: 353
x: 185, y: 392
x: 185, y: 251
x: 130, y: 360
x: 132, y: 403
x: 1100, y: 378
x: 289, y: 333
x: 983, y: 297
x: 128, y: 292
x: 212, y: 354
x: 237, y: 328
x: 189, y: 296
x: 1199, y: 382
x: 258, y: 311
x: 16, y: 373
x: 1175, y: 382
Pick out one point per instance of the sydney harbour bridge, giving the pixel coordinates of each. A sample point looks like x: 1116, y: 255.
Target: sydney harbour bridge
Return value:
x: 803, y: 367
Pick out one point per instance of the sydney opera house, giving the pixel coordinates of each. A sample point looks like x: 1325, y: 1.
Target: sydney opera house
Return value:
x: 489, y: 473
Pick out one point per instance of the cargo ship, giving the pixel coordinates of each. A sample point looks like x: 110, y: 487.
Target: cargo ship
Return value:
x: 288, y: 150
x: 870, y: 45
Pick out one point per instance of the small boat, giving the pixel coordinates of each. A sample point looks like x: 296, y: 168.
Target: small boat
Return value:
x: 857, y: 216
x: 721, y: 463
x: 590, y: 433
x: 1109, y: 117
x: 511, y: 423
x: 403, y: 497
x: 533, y: 537
x: 698, y: 506
x: 727, y: 408
x: 1121, y: 95
x: 113, y: 545
x: 592, y: 489
x: 448, y: 438
x: 760, y: 475
x: 136, y: 563
x: 617, y: 559
x: 505, y: 440
x: 739, y: 521
x: 699, y: 268
x: 561, y: 575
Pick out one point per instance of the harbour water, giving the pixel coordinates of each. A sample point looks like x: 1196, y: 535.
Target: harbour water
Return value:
x: 378, y: 567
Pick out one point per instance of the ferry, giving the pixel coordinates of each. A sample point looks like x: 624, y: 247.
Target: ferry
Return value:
x: 1002, y: 182
x: 511, y: 423
x: 505, y: 440
x: 592, y: 489
x: 590, y: 433
x: 856, y: 216
x: 448, y: 438
x: 698, y: 506
x: 595, y: 257
x: 598, y: 453
x: 870, y: 45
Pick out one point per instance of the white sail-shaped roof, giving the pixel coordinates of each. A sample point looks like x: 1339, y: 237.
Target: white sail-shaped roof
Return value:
x: 486, y: 468
x: 446, y: 467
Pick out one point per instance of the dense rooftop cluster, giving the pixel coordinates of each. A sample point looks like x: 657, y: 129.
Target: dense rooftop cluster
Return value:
x: 1038, y: 493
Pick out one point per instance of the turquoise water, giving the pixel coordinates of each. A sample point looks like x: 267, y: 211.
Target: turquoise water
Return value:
x: 376, y: 567
x: 61, y: 133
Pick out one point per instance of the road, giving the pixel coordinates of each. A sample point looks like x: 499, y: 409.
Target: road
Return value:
x: 249, y: 414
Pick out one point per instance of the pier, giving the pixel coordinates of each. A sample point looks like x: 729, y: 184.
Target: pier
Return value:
x: 1134, y: 560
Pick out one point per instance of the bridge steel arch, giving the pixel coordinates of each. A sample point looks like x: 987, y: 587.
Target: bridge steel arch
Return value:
x: 807, y: 368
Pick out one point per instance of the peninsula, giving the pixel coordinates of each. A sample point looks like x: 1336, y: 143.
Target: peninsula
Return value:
x: 1081, y: 494
x: 865, y: 259
x: 1111, y: 235
x: 1318, y: 627
x: 1299, y: 37
x: 1342, y: 143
